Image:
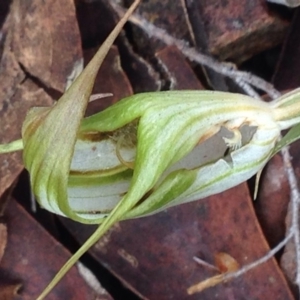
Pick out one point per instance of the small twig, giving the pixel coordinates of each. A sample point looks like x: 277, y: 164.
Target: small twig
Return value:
x: 247, y: 88
x: 205, y: 264
x: 90, y: 279
x: 99, y: 96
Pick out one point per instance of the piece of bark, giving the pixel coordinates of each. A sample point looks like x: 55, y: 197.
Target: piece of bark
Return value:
x: 236, y: 30
x: 46, y: 40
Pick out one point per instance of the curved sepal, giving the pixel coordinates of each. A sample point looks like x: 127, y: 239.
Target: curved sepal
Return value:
x: 49, y: 135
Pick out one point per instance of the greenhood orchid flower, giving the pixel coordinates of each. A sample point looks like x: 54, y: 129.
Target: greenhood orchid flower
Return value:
x: 147, y: 152
x: 167, y: 148
x: 154, y: 150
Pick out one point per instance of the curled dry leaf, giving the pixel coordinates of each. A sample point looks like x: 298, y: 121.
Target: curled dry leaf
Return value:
x: 226, y: 263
